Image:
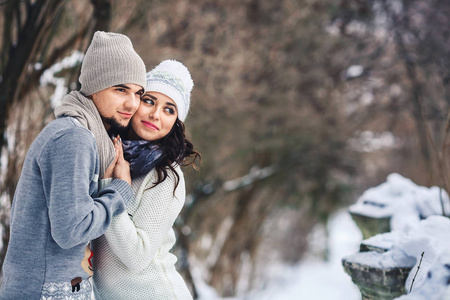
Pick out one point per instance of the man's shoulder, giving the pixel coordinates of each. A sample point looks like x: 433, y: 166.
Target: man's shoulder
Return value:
x: 67, y: 126
x: 65, y: 130
x: 61, y: 135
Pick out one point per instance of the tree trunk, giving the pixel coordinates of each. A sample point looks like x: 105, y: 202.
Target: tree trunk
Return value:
x: 244, y: 236
x: 17, y: 57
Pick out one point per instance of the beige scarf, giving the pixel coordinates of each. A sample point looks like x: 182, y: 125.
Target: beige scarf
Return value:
x: 84, y: 110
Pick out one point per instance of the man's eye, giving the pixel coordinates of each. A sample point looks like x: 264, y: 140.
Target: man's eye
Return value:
x: 120, y: 90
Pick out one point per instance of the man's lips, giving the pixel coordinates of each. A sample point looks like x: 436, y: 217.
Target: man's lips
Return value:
x: 125, y: 115
x: 150, y: 125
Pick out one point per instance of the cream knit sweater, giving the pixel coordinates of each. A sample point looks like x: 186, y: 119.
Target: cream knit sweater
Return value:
x: 132, y: 259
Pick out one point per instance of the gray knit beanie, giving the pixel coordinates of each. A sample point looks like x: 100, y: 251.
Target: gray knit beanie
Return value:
x: 110, y: 60
x: 172, y: 79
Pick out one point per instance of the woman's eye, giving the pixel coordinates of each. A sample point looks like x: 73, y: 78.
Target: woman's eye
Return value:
x: 148, y: 101
x: 170, y: 110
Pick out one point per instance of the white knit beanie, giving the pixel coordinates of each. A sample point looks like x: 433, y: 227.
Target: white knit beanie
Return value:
x: 110, y: 60
x: 172, y: 79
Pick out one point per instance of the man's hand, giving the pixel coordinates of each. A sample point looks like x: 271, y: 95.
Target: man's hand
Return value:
x: 110, y: 170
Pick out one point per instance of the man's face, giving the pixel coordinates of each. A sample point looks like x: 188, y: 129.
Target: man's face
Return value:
x: 117, y: 104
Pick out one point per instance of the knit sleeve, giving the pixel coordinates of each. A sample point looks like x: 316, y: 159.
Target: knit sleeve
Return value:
x: 136, y: 239
x: 103, y: 183
x: 76, y: 215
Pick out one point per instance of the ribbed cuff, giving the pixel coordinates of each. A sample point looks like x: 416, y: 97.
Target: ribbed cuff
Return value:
x: 123, y: 188
x: 103, y: 183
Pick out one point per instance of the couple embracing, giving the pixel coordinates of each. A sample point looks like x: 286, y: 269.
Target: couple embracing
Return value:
x: 101, y: 185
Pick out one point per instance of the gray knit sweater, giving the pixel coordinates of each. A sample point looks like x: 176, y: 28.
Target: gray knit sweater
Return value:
x: 57, y: 210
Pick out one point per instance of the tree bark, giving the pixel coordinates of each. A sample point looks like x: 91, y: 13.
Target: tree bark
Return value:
x: 244, y: 237
x: 16, y: 57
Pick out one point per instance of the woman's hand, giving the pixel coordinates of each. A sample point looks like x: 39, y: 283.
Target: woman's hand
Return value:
x: 120, y: 168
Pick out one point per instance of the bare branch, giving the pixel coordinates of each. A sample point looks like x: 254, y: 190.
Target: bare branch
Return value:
x: 11, y: 1
x: 7, y: 31
x: 418, y: 267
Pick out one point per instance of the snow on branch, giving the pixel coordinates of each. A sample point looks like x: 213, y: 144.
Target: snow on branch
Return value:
x: 48, y: 77
x: 255, y: 174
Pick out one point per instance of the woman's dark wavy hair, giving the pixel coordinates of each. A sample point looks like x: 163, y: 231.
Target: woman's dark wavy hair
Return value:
x: 176, y: 149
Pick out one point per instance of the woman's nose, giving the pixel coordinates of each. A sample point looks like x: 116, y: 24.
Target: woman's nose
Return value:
x: 155, y: 114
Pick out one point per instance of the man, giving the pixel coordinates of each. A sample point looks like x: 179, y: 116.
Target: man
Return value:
x: 57, y: 207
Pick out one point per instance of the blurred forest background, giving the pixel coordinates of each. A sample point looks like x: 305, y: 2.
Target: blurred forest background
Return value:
x: 298, y: 106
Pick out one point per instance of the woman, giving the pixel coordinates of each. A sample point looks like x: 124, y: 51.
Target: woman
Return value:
x: 132, y: 259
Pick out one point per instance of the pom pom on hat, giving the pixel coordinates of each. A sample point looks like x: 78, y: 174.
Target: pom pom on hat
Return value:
x: 172, y: 79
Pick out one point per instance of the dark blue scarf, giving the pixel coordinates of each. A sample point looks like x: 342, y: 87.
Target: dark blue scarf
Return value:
x: 142, y: 156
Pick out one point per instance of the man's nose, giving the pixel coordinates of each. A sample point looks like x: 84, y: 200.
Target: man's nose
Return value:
x: 132, y: 102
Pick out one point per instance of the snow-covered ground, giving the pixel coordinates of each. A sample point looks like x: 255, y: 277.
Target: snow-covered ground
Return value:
x: 419, y: 237
x: 311, y: 279
x: 407, y: 204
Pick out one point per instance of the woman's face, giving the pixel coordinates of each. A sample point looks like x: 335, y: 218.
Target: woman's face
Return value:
x: 154, y: 118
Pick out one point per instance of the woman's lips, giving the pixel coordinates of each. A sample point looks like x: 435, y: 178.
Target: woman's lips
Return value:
x: 150, y: 125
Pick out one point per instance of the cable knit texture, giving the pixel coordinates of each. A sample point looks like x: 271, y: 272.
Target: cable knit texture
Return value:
x: 132, y: 259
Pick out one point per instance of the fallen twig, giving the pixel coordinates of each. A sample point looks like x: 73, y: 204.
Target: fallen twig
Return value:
x: 418, y: 267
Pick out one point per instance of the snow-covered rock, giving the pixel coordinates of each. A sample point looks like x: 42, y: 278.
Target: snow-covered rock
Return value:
x: 402, y: 200
x: 426, y: 245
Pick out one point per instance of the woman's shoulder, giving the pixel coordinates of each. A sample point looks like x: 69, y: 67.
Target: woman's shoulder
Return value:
x: 177, y: 168
x: 172, y: 186
x: 152, y: 176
